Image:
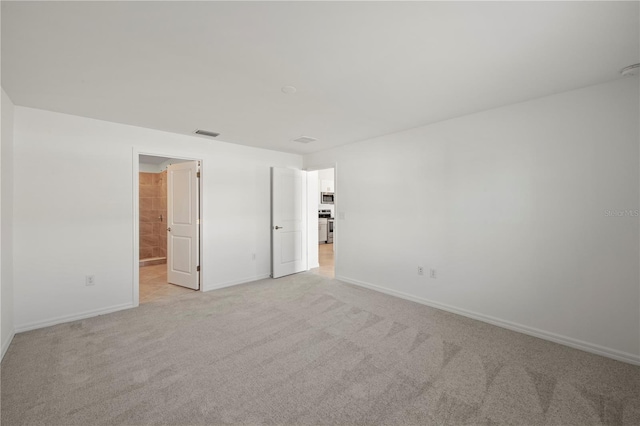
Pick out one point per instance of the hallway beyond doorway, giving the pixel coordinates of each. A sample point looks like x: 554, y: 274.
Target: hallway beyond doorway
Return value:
x: 326, y: 260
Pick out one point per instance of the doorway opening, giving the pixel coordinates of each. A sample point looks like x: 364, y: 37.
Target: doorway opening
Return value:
x: 168, y: 260
x: 326, y: 220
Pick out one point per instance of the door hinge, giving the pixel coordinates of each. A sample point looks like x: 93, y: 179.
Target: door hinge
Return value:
x: 198, y: 174
x: 198, y: 268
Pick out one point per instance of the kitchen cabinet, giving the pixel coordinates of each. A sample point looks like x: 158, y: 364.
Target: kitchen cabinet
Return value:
x: 326, y: 186
x: 322, y: 230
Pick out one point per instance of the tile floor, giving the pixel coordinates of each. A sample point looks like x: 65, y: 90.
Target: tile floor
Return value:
x: 154, y: 286
x: 326, y: 260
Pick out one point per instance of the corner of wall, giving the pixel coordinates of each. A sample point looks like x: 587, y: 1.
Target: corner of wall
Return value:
x: 509, y: 325
x: 6, y: 343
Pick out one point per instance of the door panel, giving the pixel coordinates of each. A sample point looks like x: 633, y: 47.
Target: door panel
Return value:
x: 181, y: 254
x: 183, y: 230
x: 288, y: 221
x: 291, y: 247
x: 181, y: 207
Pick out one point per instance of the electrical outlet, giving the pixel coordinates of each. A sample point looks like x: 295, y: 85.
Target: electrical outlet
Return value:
x: 90, y: 280
x: 432, y: 273
x: 420, y: 270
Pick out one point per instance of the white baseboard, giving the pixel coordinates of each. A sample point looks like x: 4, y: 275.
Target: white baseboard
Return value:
x: 546, y: 335
x: 74, y: 317
x: 235, y: 282
x: 6, y: 343
x: 316, y: 265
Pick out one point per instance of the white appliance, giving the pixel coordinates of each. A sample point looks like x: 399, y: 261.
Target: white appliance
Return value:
x: 324, y: 222
x: 327, y: 198
x: 322, y: 230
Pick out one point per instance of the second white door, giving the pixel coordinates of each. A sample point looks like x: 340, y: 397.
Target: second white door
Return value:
x: 288, y: 221
x: 183, y: 257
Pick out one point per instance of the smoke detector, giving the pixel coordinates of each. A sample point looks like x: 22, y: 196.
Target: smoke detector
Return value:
x: 305, y: 139
x: 289, y: 90
x: 631, y: 70
x: 206, y: 133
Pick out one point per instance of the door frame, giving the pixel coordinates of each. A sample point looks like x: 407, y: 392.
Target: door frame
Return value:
x: 336, y: 235
x: 136, y: 152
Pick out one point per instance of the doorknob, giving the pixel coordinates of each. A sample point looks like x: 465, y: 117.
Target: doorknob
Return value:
x: 279, y: 227
x: 169, y: 229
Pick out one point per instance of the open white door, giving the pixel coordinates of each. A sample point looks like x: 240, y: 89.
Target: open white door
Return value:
x: 288, y: 221
x: 183, y: 256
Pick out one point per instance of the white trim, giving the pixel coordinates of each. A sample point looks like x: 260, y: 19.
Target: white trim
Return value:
x: 237, y: 282
x: 546, y: 335
x: 316, y: 265
x: 136, y: 152
x: 135, y: 291
x: 7, y: 343
x: 74, y: 317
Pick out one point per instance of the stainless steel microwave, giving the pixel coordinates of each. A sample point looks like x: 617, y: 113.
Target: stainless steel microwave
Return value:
x: 327, y: 198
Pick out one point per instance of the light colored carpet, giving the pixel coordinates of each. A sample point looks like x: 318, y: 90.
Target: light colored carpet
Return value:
x: 304, y: 350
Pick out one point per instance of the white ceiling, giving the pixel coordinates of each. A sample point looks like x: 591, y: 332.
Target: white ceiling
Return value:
x: 362, y: 69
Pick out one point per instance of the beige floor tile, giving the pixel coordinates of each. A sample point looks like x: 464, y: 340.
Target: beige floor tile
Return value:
x: 326, y: 260
x: 154, y: 286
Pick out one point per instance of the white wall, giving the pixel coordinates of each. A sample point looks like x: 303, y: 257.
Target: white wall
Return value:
x: 163, y: 166
x: 6, y: 228
x: 158, y: 168
x: 149, y: 168
x: 74, y: 212
x: 509, y: 206
x: 325, y: 174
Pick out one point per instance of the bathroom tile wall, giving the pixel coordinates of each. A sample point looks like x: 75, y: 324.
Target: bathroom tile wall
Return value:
x: 153, y: 215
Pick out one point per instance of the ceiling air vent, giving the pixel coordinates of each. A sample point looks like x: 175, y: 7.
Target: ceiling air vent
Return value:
x: 207, y: 133
x: 305, y: 139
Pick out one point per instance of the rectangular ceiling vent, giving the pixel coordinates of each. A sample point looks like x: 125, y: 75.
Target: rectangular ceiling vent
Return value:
x: 305, y: 139
x: 207, y: 133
